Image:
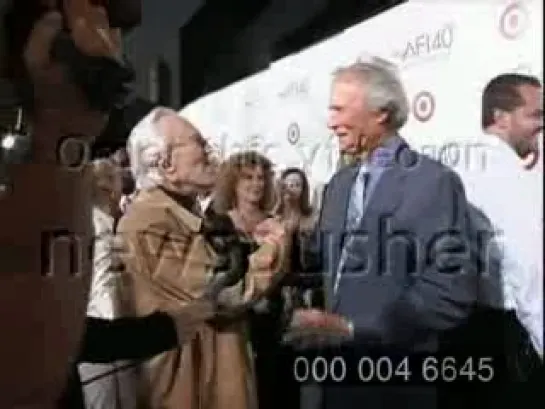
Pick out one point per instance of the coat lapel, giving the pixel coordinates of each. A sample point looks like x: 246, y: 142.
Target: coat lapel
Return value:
x: 385, y: 194
x: 200, y: 252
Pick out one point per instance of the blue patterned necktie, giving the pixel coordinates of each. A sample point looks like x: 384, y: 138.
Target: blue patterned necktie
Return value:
x: 354, y: 215
x: 355, y: 205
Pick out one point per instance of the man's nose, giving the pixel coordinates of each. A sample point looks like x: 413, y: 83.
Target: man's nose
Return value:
x: 332, y: 121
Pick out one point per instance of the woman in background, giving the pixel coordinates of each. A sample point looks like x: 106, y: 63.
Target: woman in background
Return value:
x: 246, y: 193
x: 298, y: 216
x: 294, y: 208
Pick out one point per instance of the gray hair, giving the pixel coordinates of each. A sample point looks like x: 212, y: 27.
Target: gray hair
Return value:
x: 146, y: 147
x: 384, y: 90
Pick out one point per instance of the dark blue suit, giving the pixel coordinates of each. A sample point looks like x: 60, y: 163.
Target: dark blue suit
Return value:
x: 408, y: 277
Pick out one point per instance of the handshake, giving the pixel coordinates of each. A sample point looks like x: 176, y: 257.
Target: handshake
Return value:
x: 313, y: 328
x: 258, y: 265
x: 309, y: 328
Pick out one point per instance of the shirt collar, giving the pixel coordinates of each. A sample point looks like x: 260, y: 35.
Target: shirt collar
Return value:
x: 384, y: 154
x: 502, y: 147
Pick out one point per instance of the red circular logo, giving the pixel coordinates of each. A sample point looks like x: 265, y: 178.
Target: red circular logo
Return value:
x: 513, y: 21
x: 423, y: 106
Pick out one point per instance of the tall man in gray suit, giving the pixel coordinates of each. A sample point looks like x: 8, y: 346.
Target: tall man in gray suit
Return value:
x: 392, y: 240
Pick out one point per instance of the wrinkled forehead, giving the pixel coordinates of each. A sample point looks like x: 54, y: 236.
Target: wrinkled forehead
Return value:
x: 347, y: 90
x: 178, y: 130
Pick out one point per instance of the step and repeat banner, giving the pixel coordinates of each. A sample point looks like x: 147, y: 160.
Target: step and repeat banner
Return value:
x: 445, y: 51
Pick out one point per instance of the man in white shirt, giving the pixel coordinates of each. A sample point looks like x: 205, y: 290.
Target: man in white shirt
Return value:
x: 505, y: 190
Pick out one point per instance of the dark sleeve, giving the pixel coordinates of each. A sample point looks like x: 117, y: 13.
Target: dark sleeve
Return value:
x: 127, y: 338
x: 443, y: 294
x: 310, y: 249
x: 304, y: 276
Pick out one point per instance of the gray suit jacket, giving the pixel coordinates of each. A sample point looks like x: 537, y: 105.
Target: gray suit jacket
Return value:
x: 409, y: 276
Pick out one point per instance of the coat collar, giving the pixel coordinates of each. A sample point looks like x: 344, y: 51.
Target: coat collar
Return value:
x: 179, y: 206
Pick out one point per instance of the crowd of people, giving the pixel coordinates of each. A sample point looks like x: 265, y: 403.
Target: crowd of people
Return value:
x: 178, y: 184
x: 246, y: 190
x: 206, y: 273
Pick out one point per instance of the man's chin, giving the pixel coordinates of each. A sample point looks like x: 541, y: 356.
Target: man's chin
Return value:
x: 205, y: 184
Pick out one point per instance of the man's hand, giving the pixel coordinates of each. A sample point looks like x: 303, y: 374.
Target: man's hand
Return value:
x: 57, y: 100
x: 270, y: 231
x: 90, y: 29
x: 188, y: 319
x: 315, y: 328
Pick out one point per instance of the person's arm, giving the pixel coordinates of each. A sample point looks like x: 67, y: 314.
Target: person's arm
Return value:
x: 127, y: 338
x: 142, y: 337
x: 444, y: 292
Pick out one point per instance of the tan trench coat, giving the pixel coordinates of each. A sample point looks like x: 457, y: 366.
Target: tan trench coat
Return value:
x: 167, y: 263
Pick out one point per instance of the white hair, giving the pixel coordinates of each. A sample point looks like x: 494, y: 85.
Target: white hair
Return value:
x: 384, y: 90
x: 146, y: 147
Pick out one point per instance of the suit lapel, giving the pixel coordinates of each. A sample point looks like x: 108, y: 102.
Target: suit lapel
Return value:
x: 382, y: 197
x: 336, y: 218
x: 333, y: 223
x: 384, y: 194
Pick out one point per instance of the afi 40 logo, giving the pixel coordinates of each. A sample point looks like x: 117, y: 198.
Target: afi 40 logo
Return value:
x: 428, y: 43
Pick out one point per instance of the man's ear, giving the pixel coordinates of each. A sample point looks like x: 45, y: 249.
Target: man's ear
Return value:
x: 382, y: 116
x: 502, y: 118
x: 165, y: 164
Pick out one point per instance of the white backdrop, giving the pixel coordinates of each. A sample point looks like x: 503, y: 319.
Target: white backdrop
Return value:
x: 446, y: 52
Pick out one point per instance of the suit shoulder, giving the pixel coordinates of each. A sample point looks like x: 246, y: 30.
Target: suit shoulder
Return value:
x: 435, y: 171
x: 143, y: 215
x: 336, y: 176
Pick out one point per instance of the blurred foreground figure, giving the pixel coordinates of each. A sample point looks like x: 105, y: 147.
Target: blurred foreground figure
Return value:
x: 45, y: 206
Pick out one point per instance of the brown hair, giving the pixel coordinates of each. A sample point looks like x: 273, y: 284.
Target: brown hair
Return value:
x: 306, y: 208
x: 229, y: 175
x: 502, y: 93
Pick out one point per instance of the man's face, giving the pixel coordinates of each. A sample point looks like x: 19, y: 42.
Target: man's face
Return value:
x: 189, y: 165
x: 526, y: 121
x: 356, y: 125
